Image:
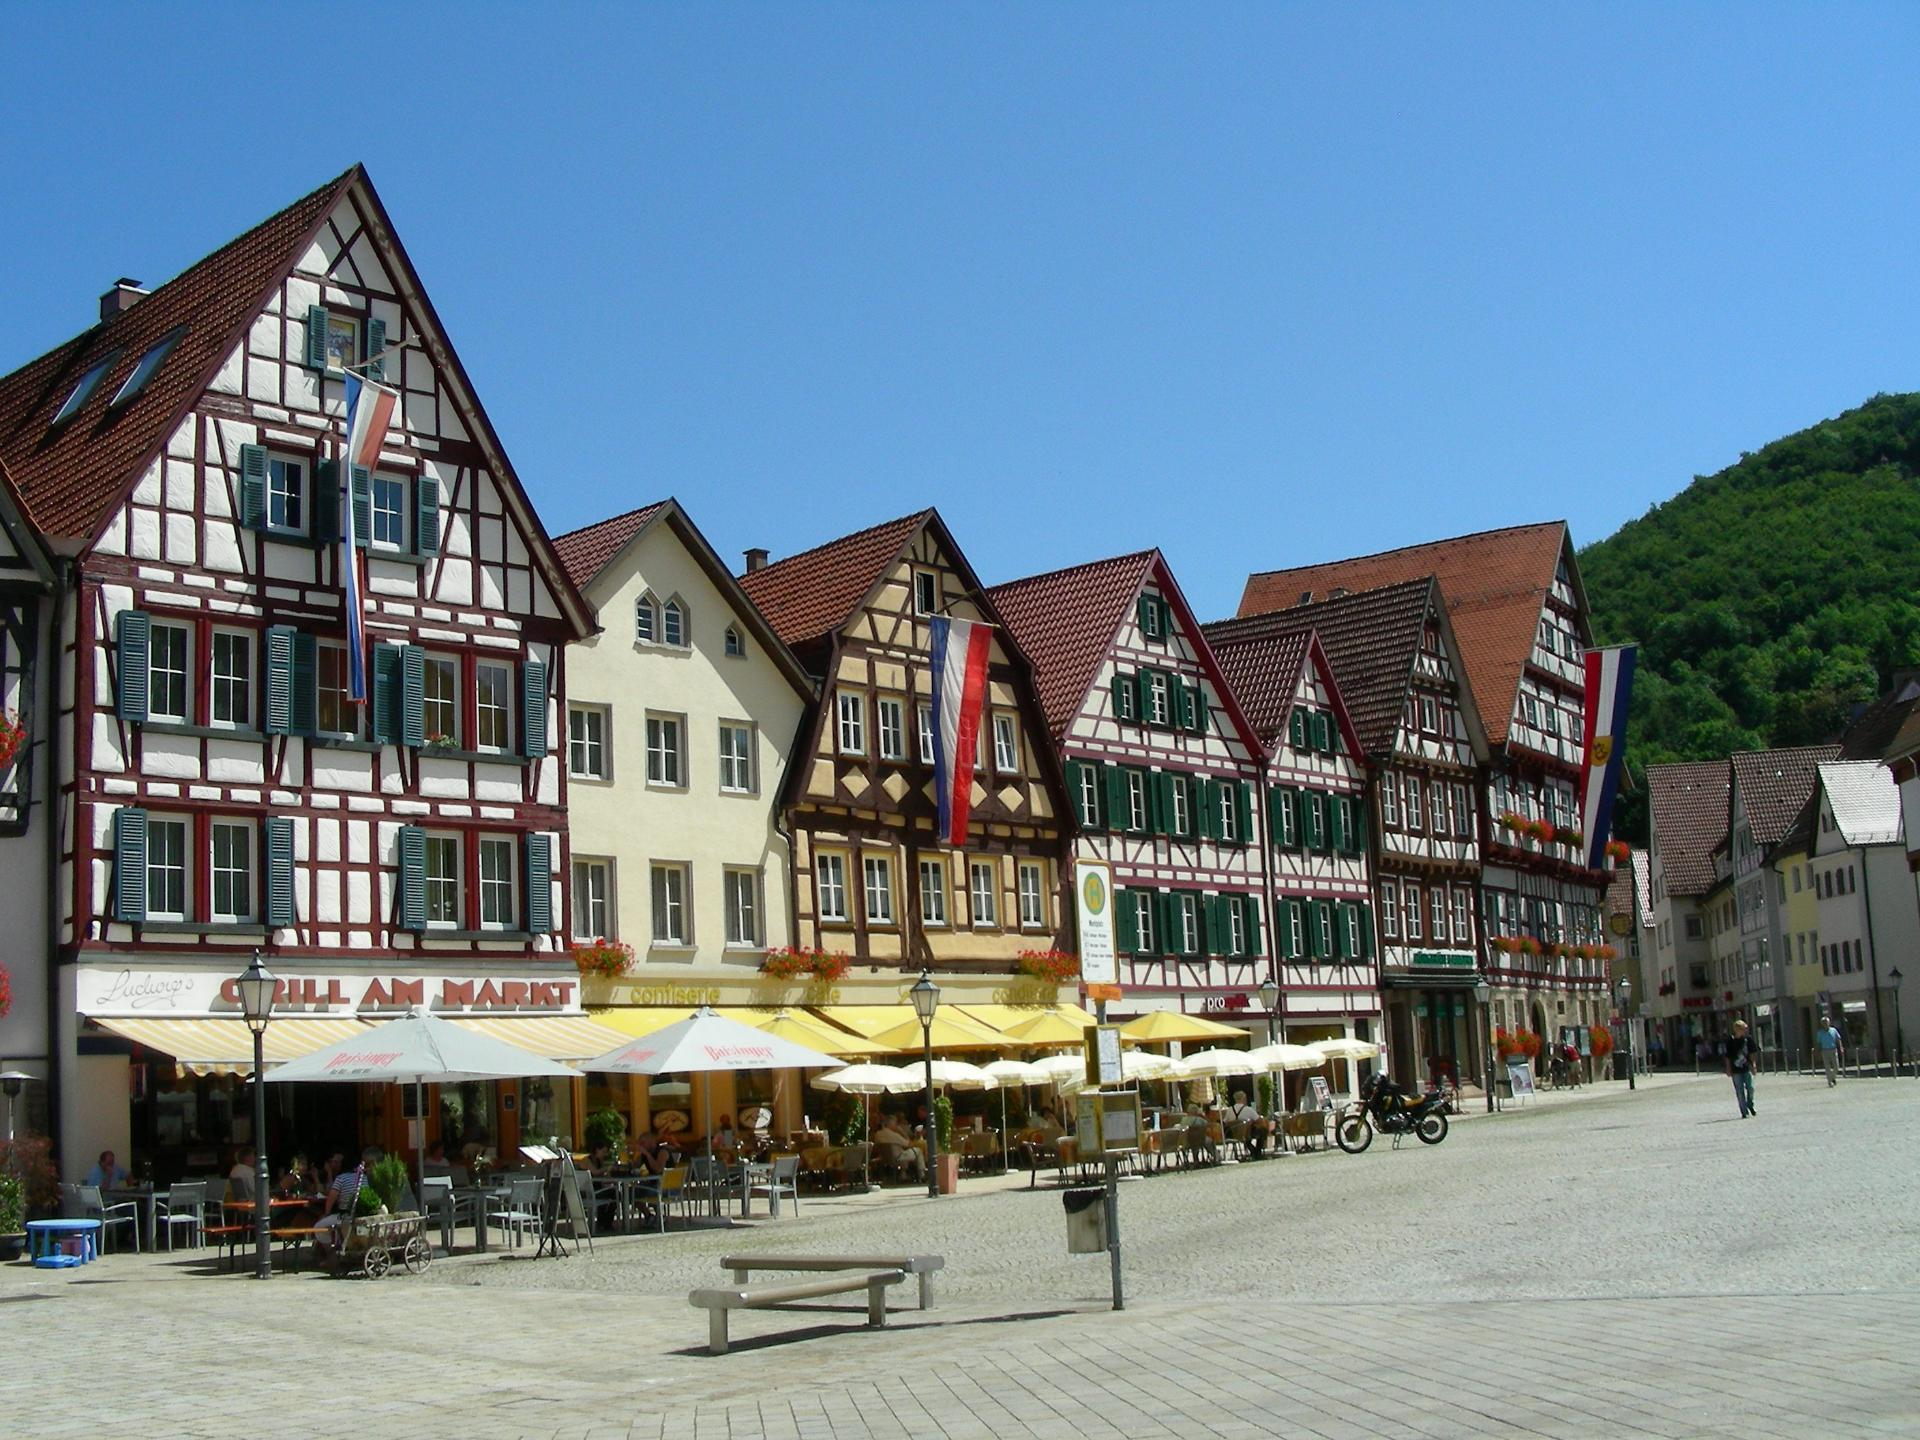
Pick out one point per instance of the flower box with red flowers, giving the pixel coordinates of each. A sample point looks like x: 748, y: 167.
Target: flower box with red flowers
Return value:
x: 789, y: 962
x: 1619, y: 851
x: 1054, y: 966
x: 601, y: 956
x: 13, y: 737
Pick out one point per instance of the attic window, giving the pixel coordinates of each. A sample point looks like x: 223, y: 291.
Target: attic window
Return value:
x: 89, y: 383
x: 143, y: 372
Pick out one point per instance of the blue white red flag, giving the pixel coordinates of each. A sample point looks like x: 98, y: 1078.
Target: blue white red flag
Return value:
x: 1609, y: 684
x: 960, y: 650
x: 369, y: 412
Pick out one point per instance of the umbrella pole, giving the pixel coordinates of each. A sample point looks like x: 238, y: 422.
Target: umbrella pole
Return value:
x: 420, y: 1146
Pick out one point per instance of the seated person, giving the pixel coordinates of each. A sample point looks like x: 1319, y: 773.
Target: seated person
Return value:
x: 336, y: 1162
x: 645, y: 1153
x: 1048, y: 1125
x: 240, y: 1177
x: 907, y: 1158
x: 299, y: 1178
x: 106, y: 1173
x: 1241, y: 1113
x: 723, y: 1136
x: 342, y: 1196
x: 435, y: 1162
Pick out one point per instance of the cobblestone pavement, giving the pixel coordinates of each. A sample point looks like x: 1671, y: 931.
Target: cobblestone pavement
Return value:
x: 1598, y: 1264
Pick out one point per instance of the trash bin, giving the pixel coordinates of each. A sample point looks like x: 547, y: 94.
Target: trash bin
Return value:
x: 1086, y: 1221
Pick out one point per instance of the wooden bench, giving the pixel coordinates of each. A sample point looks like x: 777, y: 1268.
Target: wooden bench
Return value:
x: 720, y: 1303
x: 230, y: 1236
x: 921, y: 1265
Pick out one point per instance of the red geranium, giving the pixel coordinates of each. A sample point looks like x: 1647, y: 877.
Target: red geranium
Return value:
x: 611, y: 958
x: 1055, y: 966
x: 788, y: 962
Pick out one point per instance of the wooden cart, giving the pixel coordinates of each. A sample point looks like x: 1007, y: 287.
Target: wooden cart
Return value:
x: 373, y: 1243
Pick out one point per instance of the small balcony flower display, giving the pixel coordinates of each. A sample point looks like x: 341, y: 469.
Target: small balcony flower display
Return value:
x: 1602, y: 1041
x: 1619, y: 851
x: 1055, y: 966
x: 13, y: 737
x: 601, y: 956
x: 1568, y: 835
x: 789, y: 962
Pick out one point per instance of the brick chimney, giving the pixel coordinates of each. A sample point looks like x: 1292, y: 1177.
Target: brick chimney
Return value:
x: 756, y: 560
x: 121, y: 297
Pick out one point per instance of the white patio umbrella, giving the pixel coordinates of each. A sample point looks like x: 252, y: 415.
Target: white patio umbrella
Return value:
x: 1345, y: 1047
x: 1283, y: 1056
x: 1060, y: 1067
x: 867, y: 1080
x: 1219, y: 1062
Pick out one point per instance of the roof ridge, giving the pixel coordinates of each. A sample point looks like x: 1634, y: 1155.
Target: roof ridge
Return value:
x: 1417, y: 545
x: 611, y: 519
x: 915, y: 515
x: 1142, y: 556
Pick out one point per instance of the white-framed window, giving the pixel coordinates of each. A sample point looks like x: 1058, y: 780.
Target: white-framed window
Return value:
x: 1136, y: 800
x: 1410, y: 905
x: 388, y: 501
x: 1416, y: 819
x: 442, y: 872
x: 877, y: 873
x: 985, y: 892
x: 1236, y: 912
x: 1462, y: 915
x: 1187, y: 909
x: 497, y: 910
x: 493, y: 706
x: 889, y: 716
x: 1229, y: 811
x: 926, y: 732
x: 168, y: 894
x: 1350, y: 925
x: 441, y: 689
x: 232, y: 870
x: 167, y: 691
x: 1146, y: 937
x: 1437, y: 793
x: 343, y: 342
x: 587, y: 746
x: 926, y: 592
x: 1323, y: 927
x: 1429, y: 715
x: 592, y: 899
x: 675, y: 623
x: 851, y: 708
x: 1462, y: 815
x: 734, y: 643
x: 742, y: 897
x: 1390, y: 908
x: 1437, y: 909
x: 1390, y: 800
x: 231, y: 699
x: 666, y: 751
x: 286, y: 495
x: 933, y: 892
x: 670, y: 920
x: 1090, y: 797
x: 646, y: 620
x: 1177, y: 789
x: 736, y: 757
x: 830, y: 886
x: 1033, y: 902
x: 334, y: 711
x: 1159, y: 700
x: 1006, y: 745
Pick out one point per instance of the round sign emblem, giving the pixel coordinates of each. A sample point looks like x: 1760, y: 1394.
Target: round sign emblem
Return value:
x: 1619, y: 924
x: 1093, y: 894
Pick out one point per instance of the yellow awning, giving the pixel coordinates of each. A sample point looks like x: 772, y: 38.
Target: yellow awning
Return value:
x: 867, y: 1020
x: 218, y: 1045
x: 1164, y: 1025
x: 951, y: 1031
x: 1034, y: 1027
x: 557, y: 1037
x: 802, y: 1029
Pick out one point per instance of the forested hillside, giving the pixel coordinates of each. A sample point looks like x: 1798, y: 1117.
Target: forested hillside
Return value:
x: 1770, y: 598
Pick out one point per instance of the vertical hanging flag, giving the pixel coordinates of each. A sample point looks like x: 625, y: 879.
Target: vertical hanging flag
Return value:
x: 959, y: 688
x: 1609, y: 682
x: 369, y: 412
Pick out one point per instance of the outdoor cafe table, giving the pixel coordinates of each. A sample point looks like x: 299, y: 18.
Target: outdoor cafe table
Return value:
x: 479, y: 1198
x: 279, y: 1209
x: 142, y: 1196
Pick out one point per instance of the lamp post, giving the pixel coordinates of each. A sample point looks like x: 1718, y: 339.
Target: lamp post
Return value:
x: 1899, y: 1034
x: 926, y: 1000
x: 256, y: 1003
x: 1270, y: 997
x: 1626, y: 1024
x: 12, y: 1080
x: 1483, y: 992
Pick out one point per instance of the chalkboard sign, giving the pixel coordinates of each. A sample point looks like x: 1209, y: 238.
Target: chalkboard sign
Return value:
x: 1519, y: 1078
x: 1318, y: 1096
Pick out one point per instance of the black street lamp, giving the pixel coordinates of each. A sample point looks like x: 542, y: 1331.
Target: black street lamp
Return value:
x: 1899, y: 1026
x: 926, y: 1000
x: 1483, y: 992
x: 1270, y: 997
x: 1626, y: 1024
x: 256, y: 1003
x: 11, y: 1081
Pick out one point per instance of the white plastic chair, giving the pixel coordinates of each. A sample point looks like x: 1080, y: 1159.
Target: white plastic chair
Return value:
x: 784, y: 1179
x: 85, y: 1203
x: 182, y: 1204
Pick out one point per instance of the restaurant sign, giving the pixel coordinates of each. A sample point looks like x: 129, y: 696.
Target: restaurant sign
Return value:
x: 108, y: 990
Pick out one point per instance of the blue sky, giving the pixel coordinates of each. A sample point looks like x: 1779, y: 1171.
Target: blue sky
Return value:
x: 1261, y: 285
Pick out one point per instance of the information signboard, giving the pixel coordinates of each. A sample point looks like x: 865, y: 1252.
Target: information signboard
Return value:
x: 1107, y: 1122
x: 1093, y: 917
x: 1103, y: 1055
x: 1519, y: 1079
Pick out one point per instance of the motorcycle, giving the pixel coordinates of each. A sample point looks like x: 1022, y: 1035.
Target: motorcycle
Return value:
x: 1383, y: 1106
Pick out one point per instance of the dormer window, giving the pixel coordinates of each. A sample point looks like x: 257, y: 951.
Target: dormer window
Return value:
x: 143, y: 372
x: 736, y: 643
x: 89, y: 383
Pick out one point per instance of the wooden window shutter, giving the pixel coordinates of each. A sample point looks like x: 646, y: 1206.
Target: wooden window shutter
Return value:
x: 1357, y: 831
x: 1246, y: 831
x: 413, y: 877
x: 326, y: 502
x: 1143, y: 697
x: 1300, y: 809
x: 253, y: 487
x: 1182, y: 703
x: 1345, y: 924
x: 317, y: 337
x: 1160, y: 795
x: 533, y: 710
x: 1119, y: 811
x: 133, y: 646
x: 1074, y: 769
x: 1297, y: 728
x: 1214, y: 924
x: 374, y: 340
x: 362, y: 482
x: 306, y: 684
x: 278, y: 709
x: 413, y: 695
x: 537, y: 849
x: 1366, y: 932
x: 1207, y: 803
x: 1276, y: 798
x: 383, y: 717
x: 426, y: 516
x: 1337, y: 822
x: 1167, y: 907
x: 1123, y: 695
x: 279, y: 849
x: 1322, y: 731
x: 1144, y: 612
x: 1126, y: 932
x: 1250, y: 908
x: 1201, y: 710
x: 130, y: 865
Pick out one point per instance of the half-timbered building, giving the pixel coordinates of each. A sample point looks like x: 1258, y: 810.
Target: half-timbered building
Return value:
x: 223, y: 791
x: 870, y: 879
x: 1515, y: 600
x: 1398, y: 668
x: 1163, y: 772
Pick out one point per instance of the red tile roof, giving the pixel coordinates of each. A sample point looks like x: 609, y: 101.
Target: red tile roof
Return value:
x: 585, y: 550
x: 1689, y: 821
x: 1370, y: 638
x: 1775, y: 784
x: 808, y: 596
x: 71, y: 478
x: 1064, y: 622
x: 1495, y: 583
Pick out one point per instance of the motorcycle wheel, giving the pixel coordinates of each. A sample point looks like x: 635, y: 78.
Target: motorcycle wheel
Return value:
x: 1353, y: 1133
x: 1432, y: 1128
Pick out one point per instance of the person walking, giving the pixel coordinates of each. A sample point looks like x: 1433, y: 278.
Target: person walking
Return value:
x: 1740, y: 1056
x: 1828, y: 1040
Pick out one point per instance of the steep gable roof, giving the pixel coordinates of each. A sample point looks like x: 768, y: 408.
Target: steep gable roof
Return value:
x: 1873, y: 731
x: 1495, y: 583
x: 1774, y: 785
x: 1265, y: 674
x: 1064, y: 622
x: 1689, y: 803
x: 806, y: 597
x: 584, y: 552
x: 1865, y: 800
x: 72, y: 476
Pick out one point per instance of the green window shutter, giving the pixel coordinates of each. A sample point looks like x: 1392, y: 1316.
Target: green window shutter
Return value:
x: 426, y: 515
x: 326, y: 502
x: 1344, y: 926
x: 1123, y: 695
x: 1207, y: 802
x: 413, y: 695
x: 1276, y: 799
x: 1202, y: 711
x: 1143, y: 700
x: 1322, y: 731
x: 317, y: 337
x: 1250, y: 908
x: 1247, y: 831
x: 279, y: 700
x: 1297, y: 728
x: 306, y: 684
x: 133, y: 644
x: 1160, y: 801
x: 253, y: 487
x: 1147, y: 617
x: 383, y: 713
x: 1337, y: 821
x: 362, y: 481
x: 538, y: 850
x: 1366, y: 932
x: 1167, y: 912
x: 1126, y: 932
x: 1074, y: 770
x: 413, y: 877
x: 374, y: 341
x: 1119, y: 813
x: 1165, y: 613
x: 130, y: 865
x: 279, y: 870
x: 1357, y: 833
x: 1183, y: 706
x: 1214, y: 923
x: 533, y: 710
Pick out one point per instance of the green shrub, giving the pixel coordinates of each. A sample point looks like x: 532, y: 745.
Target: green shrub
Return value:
x: 1266, y: 1097
x: 943, y: 1122
x: 604, y: 1127
x: 389, y: 1180
x: 13, y: 1204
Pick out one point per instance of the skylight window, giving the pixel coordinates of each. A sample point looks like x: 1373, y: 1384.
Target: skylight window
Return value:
x: 89, y: 383
x: 143, y: 372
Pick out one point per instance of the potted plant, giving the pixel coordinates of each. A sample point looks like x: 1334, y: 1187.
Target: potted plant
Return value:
x: 947, y: 1166
x: 604, y: 1127
x: 601, y: 956
x: 13, y: 1217
x: 388, y: 1179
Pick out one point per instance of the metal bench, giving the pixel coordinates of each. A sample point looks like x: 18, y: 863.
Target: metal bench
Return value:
x: 921, y: 1265
x: 720, y: 1303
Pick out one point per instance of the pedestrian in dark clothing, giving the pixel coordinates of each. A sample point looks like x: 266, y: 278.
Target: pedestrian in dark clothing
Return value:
x: 1740, y: 1057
